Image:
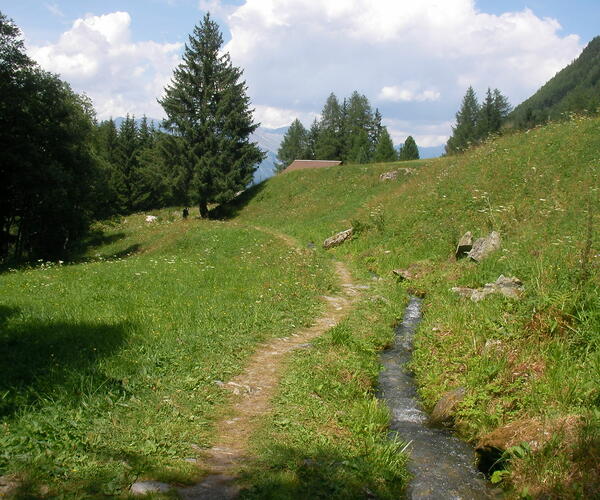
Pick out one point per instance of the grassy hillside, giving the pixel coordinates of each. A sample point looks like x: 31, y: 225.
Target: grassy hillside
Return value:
x: 531, y: 364
x: 109, y: 366
x: 574, y: 89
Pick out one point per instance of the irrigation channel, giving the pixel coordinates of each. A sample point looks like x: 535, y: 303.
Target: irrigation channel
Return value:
x: 442, y: 466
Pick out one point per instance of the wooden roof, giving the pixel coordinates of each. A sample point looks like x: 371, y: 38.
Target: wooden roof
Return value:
x: 299, y: 164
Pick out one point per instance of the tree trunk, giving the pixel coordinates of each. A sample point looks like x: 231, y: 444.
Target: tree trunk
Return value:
x: 203, y: 209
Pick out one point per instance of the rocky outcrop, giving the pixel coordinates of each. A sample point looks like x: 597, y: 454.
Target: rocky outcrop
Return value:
x: 485, y: 246
x: 389, y: 176
x: 393, y: 175
x: 465, y: 244
x: 443, y: 412
x: 509, y: 287
x: 338, y: 239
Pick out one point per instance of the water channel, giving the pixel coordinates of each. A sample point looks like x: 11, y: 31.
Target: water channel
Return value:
x: 442, y: 466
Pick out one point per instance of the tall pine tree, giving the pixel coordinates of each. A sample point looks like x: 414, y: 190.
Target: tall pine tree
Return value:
x: 329, y: 144
x: 384, y: 150
x: 464, y: 133
x: 294, y: 145
x: 409, y: 150
x: 207, y: 106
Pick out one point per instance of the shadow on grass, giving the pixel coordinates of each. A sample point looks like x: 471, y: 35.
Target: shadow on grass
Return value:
x: 327, y: 474
x: 39, y: 360
x: 231, y: 209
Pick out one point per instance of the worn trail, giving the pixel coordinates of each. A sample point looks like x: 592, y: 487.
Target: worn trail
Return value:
x: 253, y: 390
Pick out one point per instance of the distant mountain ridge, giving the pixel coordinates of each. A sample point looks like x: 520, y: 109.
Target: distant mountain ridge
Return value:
x: 576, y: 88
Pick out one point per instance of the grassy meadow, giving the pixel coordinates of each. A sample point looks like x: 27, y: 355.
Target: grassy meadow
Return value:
x: 531, y: 367
x: 109, y: 365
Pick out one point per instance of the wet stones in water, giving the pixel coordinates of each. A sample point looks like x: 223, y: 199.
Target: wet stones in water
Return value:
x: 338, y: 239
x: 443, y: 412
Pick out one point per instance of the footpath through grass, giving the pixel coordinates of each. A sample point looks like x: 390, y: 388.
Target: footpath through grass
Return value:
x: 108, y: 368
x: 530, y: 367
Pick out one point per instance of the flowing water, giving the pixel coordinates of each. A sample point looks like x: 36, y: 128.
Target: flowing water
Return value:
x: 442, y: 466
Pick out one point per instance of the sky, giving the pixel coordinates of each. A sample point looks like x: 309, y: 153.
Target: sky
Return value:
x: 413, y: 59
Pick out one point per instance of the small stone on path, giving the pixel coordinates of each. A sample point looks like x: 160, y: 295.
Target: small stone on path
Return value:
x: 145, y: 487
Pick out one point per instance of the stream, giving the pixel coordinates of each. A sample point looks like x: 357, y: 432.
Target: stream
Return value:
x: 442, y: 466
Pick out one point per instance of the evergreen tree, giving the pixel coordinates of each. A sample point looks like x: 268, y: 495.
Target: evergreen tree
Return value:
x: 48, y: 172
x: 376, y: 128
x: 127, y: 163
x: 358, y: 119
x: 464, y: 133
x: 294, y: 145
x: 492, y: 113
x: 360, y: 152
x: 329, y: 144
x: 312, y: 137
x: 207, y: 107
x: 384, y: 150
x: 409, y: 150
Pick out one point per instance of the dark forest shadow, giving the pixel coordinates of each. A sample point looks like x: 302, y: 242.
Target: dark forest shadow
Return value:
x: 231, y: 209
x: 39, y: 359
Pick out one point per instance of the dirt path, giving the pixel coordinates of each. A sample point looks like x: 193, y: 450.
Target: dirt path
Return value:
x: 253, y: 390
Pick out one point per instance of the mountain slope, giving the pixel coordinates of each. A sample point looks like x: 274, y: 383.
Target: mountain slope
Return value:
x: 575, y: 88
x: 529, y: 367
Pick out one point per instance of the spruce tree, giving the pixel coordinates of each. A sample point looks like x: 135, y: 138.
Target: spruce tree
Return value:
x: 464, y: 133
x: 358, y: 119
x: 409, y: 150
x: 329, y: 144
x: 312, y: 137
x: 384, y: 150
x: 208, y: 108
x: 294, y: 145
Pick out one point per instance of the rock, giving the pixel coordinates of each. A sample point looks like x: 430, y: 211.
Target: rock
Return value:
x: 444, y: 409
x: 310, y: 245
x: 145, y: 487
x: 151, y: 218
x: 485, y: 246
x: 389, y: 176
x: 465, y: 244
x: 338, y: 239
x: 403, y: 274
x: 407, y: 171
x: 509, y: 287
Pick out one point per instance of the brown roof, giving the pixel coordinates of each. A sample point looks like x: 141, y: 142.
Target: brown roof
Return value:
x: 299, y: 164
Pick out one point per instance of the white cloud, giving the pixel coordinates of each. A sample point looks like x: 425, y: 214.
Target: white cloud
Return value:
x: 272, y: 117
x: 96, y: 55
x: 407, y: 92
x: 410, y: 58
x: 425, y: 134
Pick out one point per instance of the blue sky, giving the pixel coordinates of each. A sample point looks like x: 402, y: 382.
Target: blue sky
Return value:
x: 413, y: 60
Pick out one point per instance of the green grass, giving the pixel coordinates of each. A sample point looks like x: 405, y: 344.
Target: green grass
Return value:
x: 109, y: 367
x: 327, y: 436
x: 540, y: 190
